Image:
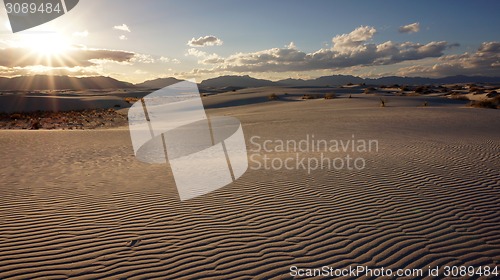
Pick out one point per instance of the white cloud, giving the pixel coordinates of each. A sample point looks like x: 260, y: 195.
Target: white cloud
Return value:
x: 122, y: 27
x: 410, y: 28
x: 204, y: 57
x: 143, y: 58
x: 348, y: 50
x: 84, y: 33
x: 205, y: 41
x: 353, y: 40
x: 74, y: 57
x: 195, y: 52
x: 165, y: 59
x: 123, y: 37
x: 485, y: 61
x: 291, y: 46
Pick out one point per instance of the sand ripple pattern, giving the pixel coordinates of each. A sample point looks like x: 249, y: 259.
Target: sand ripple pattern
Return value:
x: 84, y: 208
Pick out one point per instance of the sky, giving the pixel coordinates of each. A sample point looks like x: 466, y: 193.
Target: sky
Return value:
x: 142, y: 40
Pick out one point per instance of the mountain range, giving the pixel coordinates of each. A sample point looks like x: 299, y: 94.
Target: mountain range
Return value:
x: 42, y: 82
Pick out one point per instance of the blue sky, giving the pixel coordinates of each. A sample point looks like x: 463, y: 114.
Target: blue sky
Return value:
x: 253, y: 38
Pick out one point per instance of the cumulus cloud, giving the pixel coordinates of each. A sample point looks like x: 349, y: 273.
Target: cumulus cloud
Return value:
x: 410, y: 28
x: 348, y: 50
x: 485, y: 61
x: 123, y: 37
x: 205, y: 41
x: 354, y: 40
x: 204, y: 57
x: 143, y: 58
x: 76, y: 57
x: 122, y: 27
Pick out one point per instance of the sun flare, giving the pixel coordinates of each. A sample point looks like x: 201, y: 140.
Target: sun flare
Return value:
x: 47, y: 44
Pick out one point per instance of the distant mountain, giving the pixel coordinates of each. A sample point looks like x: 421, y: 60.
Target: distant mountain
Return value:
x: 236, y: 82
x: 337, y: 80
x: 44, y: 82
x: 223, y: 83
x: 158, y: 83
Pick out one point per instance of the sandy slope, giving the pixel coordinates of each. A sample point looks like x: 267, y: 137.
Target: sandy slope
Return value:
x: 76, y: 204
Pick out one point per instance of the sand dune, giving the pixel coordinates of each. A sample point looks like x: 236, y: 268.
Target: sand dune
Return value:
x: 78, y: 205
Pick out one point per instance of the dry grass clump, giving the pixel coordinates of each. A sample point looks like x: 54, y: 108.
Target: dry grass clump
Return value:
x: 311, y: 96
x: 493, y: 103
x: 489, y: 104
x: 330, y: 96
x: 131, y: 100
x: 369, y: 90
x: 458, y: 96
x: 273, y: 96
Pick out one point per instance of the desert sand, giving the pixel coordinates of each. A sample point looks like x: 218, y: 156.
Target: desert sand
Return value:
x: 78, y: 205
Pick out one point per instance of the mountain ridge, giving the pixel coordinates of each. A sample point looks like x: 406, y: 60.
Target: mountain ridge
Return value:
x: 228, y: 82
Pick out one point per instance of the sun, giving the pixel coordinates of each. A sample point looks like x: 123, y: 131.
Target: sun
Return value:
x: 47, y: 44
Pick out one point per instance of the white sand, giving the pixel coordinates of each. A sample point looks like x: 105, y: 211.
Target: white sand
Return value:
x: 78, y: 205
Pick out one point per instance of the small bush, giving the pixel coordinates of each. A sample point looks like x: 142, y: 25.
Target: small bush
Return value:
x: 131, y: 100
x: 16, y: 116
x: 490, y: 104
x: 369, y: 90
x: 273, y: 96
x: 383, y: 102
x: 311, y: 96
x: 459, y: 97
x: 492, y: 94
x: 421, y: 89
x: 330, y: 96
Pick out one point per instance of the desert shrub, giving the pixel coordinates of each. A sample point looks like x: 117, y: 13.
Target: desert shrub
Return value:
x: 16, y: 116
x: 383, y: 102
x: 490, y: 104
x: 273, y: 96
x: 330, y: 96
x: 369, y: 90
x: 421, y: 89
x: 492, y: 94
x: 459, y: 97
x: 131, y: 100
x: 405, y: 88
x: 476, y: 90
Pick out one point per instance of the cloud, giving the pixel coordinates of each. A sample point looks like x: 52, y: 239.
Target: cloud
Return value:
x: 122, y: 27
x: 143, y: 58
x: 75, y: 57
x: 485, y: 61
x: 205, y: 41
x: 36, y: 70
x: 348, y: 50
x: 353, y: 40
x: 81, y: 34
x: 410, y: 28
x: 123, y: 37
x: 204, y: 57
